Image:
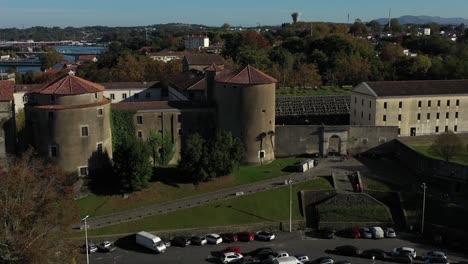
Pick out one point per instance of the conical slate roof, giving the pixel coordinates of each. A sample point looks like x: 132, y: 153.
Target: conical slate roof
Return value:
x: 70, y: 85
x: 247, y: 75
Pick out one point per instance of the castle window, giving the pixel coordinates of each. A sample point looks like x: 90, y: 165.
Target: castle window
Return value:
x: 369, y: 116
x: 385, y: 105
x: 457, y: 103
x: 429, y: 103
x: 95, y: 95
x: 99, y: 148
x: 99, y: 111
x: 385, y: 118
x: 83, y: 171
x: 84, y: 131
x: 455, y: 128
x: 399, y: 117
x: 124, y: 96
x: 447, y: 115
x: 112, y: 96
x: 456, y: 114
x: 53, y: 151
x: 140, y: 134
x: 419, y: 103
x: 437, y: 129
x: 400, y: 105
x: 448, y: 102
x: 437, y: 115
x: 438, y: 103
x: 25, y: 99
x: 139, y: 120
x: 399, y: 131
x: 428, y: 116
x: 446, y: 128
x: 419, y: 117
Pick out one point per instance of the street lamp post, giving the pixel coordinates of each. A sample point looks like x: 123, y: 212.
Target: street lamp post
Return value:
x: 86, y: 237
x: 424, y: 186
x: 290, y: 205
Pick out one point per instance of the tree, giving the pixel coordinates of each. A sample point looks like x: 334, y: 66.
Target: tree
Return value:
x: 391, y: 52
x: 375, y: 27
x: 193, y: 158
x: 37, y: 209
x: 162, y: 147
x: 51, y: 58
x: 131, y: 164
x: 306, y: 75
x: 358, y: 28
x: 446, y: 146
x: 226, y: 26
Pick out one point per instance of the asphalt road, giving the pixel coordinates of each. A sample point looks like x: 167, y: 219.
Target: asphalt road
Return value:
x: 293, y: 243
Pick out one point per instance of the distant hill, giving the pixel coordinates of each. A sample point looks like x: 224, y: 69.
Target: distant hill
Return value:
x: 426, y: 20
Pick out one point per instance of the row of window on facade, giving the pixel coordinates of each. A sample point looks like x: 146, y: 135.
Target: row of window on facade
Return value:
x: 428, y: 115
x: 400, y: 104
x: 135, y: 96
x: 437, y: 130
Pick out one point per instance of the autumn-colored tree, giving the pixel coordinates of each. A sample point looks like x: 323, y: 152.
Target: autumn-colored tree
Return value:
x: 446, y: 146
x: 307, y: 75
x: 37, y: 208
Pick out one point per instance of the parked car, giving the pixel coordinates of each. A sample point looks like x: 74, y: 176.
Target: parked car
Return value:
x: 231, y: 257
x: 281, y: 254
x: 390, y: 232
x: 435, y: 254
x: 229, y: 237
x: 347, y: 250
x: 354, y: 232
x: 198, y: 240
x: 302, y: 258
x: 265, y: 236
x: 377, y: 232
x: 234, y: 249
x: 92, y: 248
x: 365, y: 232
x: 323, y: 260
x: 166, y: 241
x: 377, y: 253
x: 262, y: 253
x: 180, y: 241
x: 328, y: 233
x: 404, y: 251
x: 214, y: 239
x: 106, y: 246
x: 245, y: 236
x: 436, y: 260
x: 286, y: 260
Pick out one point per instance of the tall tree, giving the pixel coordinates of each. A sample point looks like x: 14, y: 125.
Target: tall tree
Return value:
x: 307, y: 75
x: 37, y: 209
x: 162, y: 147
x: 446, y: 146
x: 51, y: 58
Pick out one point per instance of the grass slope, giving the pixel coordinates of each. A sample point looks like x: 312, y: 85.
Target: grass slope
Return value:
x: 358, y: 213
x: 267, y: 206
x: 97, y: 205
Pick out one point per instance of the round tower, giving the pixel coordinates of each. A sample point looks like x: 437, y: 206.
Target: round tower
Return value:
x: 245, y: 102
x: 68, y: 121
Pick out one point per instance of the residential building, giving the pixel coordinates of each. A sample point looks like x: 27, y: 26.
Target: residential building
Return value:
x: 7, y: 118
x: 196, y: 42
x: 200, y: 62
x: 415, y: 107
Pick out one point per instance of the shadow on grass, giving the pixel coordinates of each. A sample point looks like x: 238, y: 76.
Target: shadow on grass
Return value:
x: 247, y: 213
x: 170, y: 176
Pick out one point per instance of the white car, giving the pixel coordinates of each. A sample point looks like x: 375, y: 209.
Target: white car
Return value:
x: 106, y: 244
x: 281, y: 254
x: 231, y: 256
x: 214, y: 239
x: 404, y: 250
x: 265, y: 236
x: 390, y: 232
x: 302, y: 258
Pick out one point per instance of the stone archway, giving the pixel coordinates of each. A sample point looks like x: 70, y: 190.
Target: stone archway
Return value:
x: 334, y: 145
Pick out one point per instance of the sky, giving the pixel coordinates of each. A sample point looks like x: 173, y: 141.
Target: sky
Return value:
x: 63, y: 13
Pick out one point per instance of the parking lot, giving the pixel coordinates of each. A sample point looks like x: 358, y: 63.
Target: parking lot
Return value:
x: 293, y: 243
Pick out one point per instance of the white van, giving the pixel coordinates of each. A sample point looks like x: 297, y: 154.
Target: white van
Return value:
x: 286, y: 260
x: 377, y: 232
x: 150, y: 241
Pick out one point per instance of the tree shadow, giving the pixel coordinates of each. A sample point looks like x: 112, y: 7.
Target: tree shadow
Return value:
x: 101, y: 179
x: 170, y: 176
x: 129, y: 243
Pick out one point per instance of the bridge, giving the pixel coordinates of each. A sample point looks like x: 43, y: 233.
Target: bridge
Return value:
x: 42, y: 53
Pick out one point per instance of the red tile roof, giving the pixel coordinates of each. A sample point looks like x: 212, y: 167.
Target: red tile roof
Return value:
x: 70, y: 85
x: 186, y: 80
x: 247, y: 75
x: 157, y: 105
x: 7, y: 88
x: 214, y: 68
x: 87, y: 57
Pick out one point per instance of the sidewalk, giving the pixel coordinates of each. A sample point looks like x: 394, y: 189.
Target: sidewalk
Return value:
x: 325, y: 168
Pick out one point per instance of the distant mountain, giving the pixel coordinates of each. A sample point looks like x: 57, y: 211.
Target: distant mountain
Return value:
x: 426, y: 20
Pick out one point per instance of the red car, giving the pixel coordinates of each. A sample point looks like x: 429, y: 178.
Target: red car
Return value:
x: 245, y: 236
x: 229, y: 237
x: 355, y: 233
x: 234, y: 249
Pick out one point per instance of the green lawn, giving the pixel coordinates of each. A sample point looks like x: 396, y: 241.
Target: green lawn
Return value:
x: 376, y: 185
x: 267, y: 206
x: 361, y: 213
x: 313, y: 91
x: 97, y: 205
x: 462, y: 158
